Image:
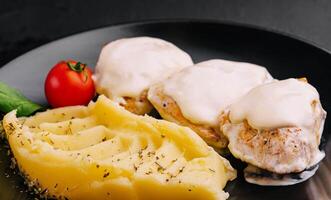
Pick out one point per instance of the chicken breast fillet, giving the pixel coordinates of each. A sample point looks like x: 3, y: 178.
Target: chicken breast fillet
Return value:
x: 169, y: 110
x: 282, y: 149
x: 127, y: 67
x: 197, y: 95
x: 279, y: 150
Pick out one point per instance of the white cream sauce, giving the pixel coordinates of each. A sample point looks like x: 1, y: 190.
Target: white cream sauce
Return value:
x: 203, y: 91
x: 127, y: 67
x: 280, y: 104
x: 277, y: 104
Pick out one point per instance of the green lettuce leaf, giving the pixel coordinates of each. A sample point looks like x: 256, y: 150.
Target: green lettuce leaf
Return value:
x: 11, y: 99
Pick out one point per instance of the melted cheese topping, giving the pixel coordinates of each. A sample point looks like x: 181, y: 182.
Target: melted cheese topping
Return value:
x: 127, y: 67
x: 278, y: 104
x: 205, y: 90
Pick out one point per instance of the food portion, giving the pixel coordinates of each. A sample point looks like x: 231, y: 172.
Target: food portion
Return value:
x: 277, y: 128
x: 69, y: 83
x: 128, y: 67
x: 105, y: 152
x: 196, y: 96
x: 101, y: 150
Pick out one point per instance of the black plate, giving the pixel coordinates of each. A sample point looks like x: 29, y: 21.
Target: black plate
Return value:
x: 283, y: 56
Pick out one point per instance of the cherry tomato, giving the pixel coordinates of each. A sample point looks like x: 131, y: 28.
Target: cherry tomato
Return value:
x: 69, y: 83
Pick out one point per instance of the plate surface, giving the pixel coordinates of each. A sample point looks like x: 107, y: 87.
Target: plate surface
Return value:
x: 283, y: 56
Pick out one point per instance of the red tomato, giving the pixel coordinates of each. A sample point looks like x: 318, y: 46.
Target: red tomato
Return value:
x: 69, y: 83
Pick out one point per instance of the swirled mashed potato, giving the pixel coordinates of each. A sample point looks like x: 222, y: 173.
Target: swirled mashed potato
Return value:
x: 105, y: 152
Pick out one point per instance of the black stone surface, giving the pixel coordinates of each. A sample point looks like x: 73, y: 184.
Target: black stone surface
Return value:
x: 25, y: 24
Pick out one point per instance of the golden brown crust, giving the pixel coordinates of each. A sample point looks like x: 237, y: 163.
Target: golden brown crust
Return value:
x: 169, y: 110
x: 279, y: 150
x: 139, y: 106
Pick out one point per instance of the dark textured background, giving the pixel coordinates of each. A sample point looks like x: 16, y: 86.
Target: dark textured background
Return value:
x: 25, y: 24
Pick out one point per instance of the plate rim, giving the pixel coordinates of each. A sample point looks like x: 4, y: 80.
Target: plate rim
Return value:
x: 177, y: 21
